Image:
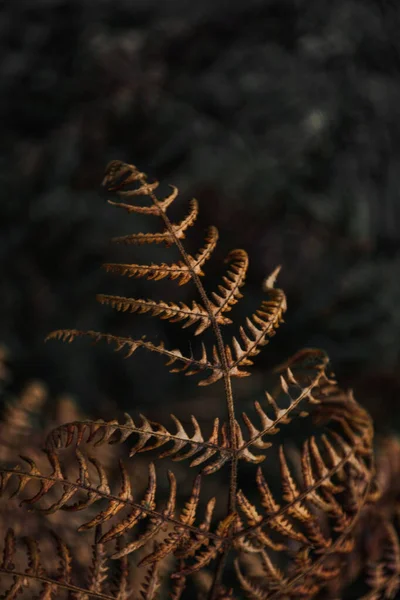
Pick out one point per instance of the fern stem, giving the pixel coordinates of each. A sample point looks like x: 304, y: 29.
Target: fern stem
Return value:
x: 218, y: 574
x: 226, y: 379
x: 328, y: 552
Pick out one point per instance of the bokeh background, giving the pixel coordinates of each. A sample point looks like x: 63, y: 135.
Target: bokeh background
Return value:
x: 282, y: 117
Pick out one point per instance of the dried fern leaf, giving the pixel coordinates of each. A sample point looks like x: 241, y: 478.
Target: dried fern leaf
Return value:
x: 294, y: 535
x: 212, y: 548
x: 191, y: 365
x: 170, y: 311
x: 150, y: 436
x: 178, y: 586
x: 188, y: 364
x: 166, y: 236
x: 118, y: 175
x: 295, y: 496
x: 146, y: 210
x: 303, y: 526
x: 35, y: 576
x: 151, y: 586
x: 179, y: 271
x: 234, y: 279
x: 294, y: 391
x: 261, y: 326
x: 96, y: 488
x: 196, y: 314
x: 181, y: 532
x: 252, y: 589
x: 190, y: 548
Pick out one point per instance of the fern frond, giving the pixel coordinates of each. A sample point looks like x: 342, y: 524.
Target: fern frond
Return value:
x: 35, y: 577
x: 191, y: 365
x: 178, y: 586
x: 261, y: 326
x: 151, y: 585
x: 335, y: 478
x: 295, y: 520
x: 170, y: 311
x: 212, y: 548
x: 188, y: 364
x: 180, y: 271
x: 234, y: 279
x: 196, y: 314
x: 253, y: 589
x: 287, y: 540
x: 181, y: 533
x: 166, y: 237
x: 383, y: 572
x: 150, y: 436
x: 294, y: 496
x: 293, y: 392
x: 118, y: 175
x: 96, y: 488
x: 146, y: 210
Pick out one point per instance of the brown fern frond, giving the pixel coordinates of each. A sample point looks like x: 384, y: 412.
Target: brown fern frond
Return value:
x: 118, y: 175
x: 261, y: 326
x: 287, y: 530
x: 296, y: 499
x: 252, y: 589
x: 146, y: 210
x: 212, y: 548
x: 150, y: 436
x: 336, y: 477
x: 295, y: 520
x: 166, y: 237
x: 383, y: 570
x: 234, y: 279
x: 183, y: 530
x: 191, y: 365
x: 180, y: 271
x: 294, y: 390
x: 228, y: 295
x: 178, y: 587
x: 151, y: 585
x: 88, y: 489
x: 33, y: 576
x: 188, y: 364
x: 170, y: 311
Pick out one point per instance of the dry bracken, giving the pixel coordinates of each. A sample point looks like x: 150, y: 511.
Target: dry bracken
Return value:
x: 286, y: 528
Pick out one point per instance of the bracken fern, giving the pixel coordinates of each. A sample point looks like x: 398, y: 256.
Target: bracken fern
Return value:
x: 268, y: 541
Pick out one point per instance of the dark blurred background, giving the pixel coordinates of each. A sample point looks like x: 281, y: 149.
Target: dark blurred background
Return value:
x: 283, y: 119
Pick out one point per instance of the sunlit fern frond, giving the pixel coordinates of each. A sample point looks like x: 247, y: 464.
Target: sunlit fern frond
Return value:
x: 165, y: 237
x: 301, y: 394
x: 170, y: 311
x: 209, y: 311
x: 150, y: 435
x: 180, y: 271
x: 298, y: 396
x: 24, y: 574
x: 228, y: 294
x: 260, y: 327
